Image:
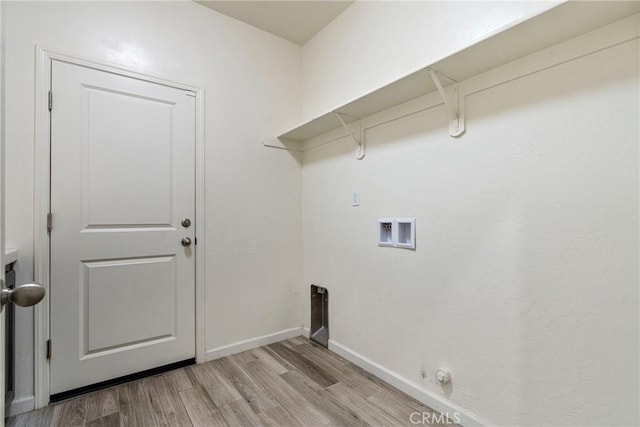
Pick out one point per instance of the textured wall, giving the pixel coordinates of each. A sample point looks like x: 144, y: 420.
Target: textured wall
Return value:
x: 524, y: 282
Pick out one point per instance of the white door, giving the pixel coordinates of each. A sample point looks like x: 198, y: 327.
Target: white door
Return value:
x: 122, y: 182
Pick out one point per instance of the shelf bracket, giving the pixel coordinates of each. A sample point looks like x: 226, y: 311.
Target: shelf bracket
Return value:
x: 283, y: 144
x: 358, y: 137
x: 454, y: 103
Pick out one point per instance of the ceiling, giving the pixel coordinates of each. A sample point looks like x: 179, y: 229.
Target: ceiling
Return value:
x: 296, y: 21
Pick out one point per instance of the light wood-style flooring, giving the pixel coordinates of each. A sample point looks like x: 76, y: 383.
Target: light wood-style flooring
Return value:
x: 290, y: 383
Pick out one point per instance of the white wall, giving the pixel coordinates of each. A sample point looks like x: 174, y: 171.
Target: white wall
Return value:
x: 524, y: 282
x: 374, y: 43
x: 252, y: 79
x: 2, y: 232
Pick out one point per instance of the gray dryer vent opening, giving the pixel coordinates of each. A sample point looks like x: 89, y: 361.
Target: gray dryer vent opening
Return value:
x: 319, y: 315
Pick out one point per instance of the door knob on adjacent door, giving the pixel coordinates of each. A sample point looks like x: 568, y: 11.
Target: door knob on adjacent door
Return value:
x: 186, y: 242
x: 24, y: 295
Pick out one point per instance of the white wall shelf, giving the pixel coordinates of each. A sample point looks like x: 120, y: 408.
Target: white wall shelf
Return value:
x: 561, y: 23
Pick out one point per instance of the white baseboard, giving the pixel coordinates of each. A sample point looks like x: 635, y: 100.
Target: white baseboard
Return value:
x: 305, y: 331
x: 414, y: 390
x: 240, y: 346
x: 22, y: 405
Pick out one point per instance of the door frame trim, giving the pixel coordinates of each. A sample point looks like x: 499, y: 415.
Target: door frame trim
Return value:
x: 42, y: 194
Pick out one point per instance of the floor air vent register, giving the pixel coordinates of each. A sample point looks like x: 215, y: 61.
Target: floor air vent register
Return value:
x: 319, y: 315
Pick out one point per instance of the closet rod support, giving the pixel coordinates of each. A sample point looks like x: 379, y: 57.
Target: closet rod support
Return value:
x: 357, y: 137
x: 453, y: 101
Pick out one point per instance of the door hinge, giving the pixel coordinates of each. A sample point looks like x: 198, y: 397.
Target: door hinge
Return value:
x: 50, y: 100
x: 48, y: 349
x: 195, y: 240
x: 49, y: 222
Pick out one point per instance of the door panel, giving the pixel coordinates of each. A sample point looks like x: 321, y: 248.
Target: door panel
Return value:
x: 122, y: 179
x: 114, y: 144
x: 118, y: 327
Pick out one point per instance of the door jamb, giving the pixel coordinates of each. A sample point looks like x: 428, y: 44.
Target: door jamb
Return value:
x: 42, y: 193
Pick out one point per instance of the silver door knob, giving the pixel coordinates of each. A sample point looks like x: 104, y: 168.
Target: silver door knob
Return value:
x: 186, y: 223
x: 186, y: 242
x: 24, y: 295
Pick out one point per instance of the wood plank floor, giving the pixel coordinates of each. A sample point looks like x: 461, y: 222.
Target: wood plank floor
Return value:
x: 290, y: 383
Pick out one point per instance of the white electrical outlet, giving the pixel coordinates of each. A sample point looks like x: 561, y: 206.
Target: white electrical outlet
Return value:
x: 355, y: 198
